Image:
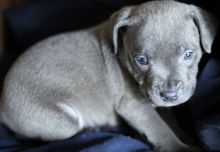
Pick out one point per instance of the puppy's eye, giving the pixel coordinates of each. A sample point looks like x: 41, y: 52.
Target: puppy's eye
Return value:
x: 188, y: 55
x: 142, y: 60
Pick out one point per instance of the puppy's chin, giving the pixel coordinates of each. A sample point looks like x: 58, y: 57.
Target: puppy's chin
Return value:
x: 166, y: 103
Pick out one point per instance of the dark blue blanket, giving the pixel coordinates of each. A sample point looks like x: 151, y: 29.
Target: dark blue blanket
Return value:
x: 38, y: 19
x: 205, y: 105
x: 96, y: 141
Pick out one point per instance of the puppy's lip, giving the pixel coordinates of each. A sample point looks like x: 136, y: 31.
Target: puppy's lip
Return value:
x: 167, y: 104
x: 169, y: 100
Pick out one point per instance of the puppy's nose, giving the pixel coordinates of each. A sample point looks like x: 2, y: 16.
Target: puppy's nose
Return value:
x: 170, y: 91
x: 170, y: 95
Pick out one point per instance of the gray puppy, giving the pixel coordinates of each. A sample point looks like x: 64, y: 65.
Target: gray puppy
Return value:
x: 142, y: 55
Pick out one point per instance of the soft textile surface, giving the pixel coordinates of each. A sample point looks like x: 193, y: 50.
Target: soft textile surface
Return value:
x: 38, y: 19
x: 205, y: 105
x: 97, y: 141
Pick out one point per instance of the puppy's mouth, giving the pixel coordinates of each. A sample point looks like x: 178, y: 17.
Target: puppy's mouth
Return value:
x: 168, y: 99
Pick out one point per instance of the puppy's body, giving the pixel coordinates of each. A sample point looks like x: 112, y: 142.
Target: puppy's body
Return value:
x: 74, y: 80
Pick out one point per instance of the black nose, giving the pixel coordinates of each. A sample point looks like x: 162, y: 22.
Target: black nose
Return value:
x: 171, y: 95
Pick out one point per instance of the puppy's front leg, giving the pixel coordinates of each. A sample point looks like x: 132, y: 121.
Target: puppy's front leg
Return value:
x: 143, y: 117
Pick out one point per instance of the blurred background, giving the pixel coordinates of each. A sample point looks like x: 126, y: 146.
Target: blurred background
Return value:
x: 4, y: 4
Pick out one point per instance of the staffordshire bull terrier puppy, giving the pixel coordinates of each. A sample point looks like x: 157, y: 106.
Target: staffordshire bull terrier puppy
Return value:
x: 143, y: 56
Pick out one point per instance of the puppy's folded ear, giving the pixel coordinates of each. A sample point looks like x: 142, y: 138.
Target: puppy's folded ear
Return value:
x: 120, y: 19
x: 207, y: 27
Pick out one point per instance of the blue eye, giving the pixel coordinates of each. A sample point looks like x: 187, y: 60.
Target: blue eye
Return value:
x: 188, y: 55
x: 142, y: 60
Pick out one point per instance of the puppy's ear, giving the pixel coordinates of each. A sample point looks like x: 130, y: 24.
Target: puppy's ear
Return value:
x: 207, y: 27
x: 120, y: 19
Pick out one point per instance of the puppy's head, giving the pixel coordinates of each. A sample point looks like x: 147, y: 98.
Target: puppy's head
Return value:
x: 160, y: 43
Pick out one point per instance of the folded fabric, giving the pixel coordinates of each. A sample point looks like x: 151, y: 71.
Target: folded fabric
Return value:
x: 96, y: 141
x: 205, y: 105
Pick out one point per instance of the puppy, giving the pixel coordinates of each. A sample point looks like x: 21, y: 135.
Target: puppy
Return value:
x: 142, y: 56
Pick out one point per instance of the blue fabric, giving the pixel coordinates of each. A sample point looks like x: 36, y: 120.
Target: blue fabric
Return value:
x: 96, y: 141
x: 205, y: 105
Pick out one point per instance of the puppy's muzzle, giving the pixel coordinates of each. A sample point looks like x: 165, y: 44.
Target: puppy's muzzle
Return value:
x: 170, y: 91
